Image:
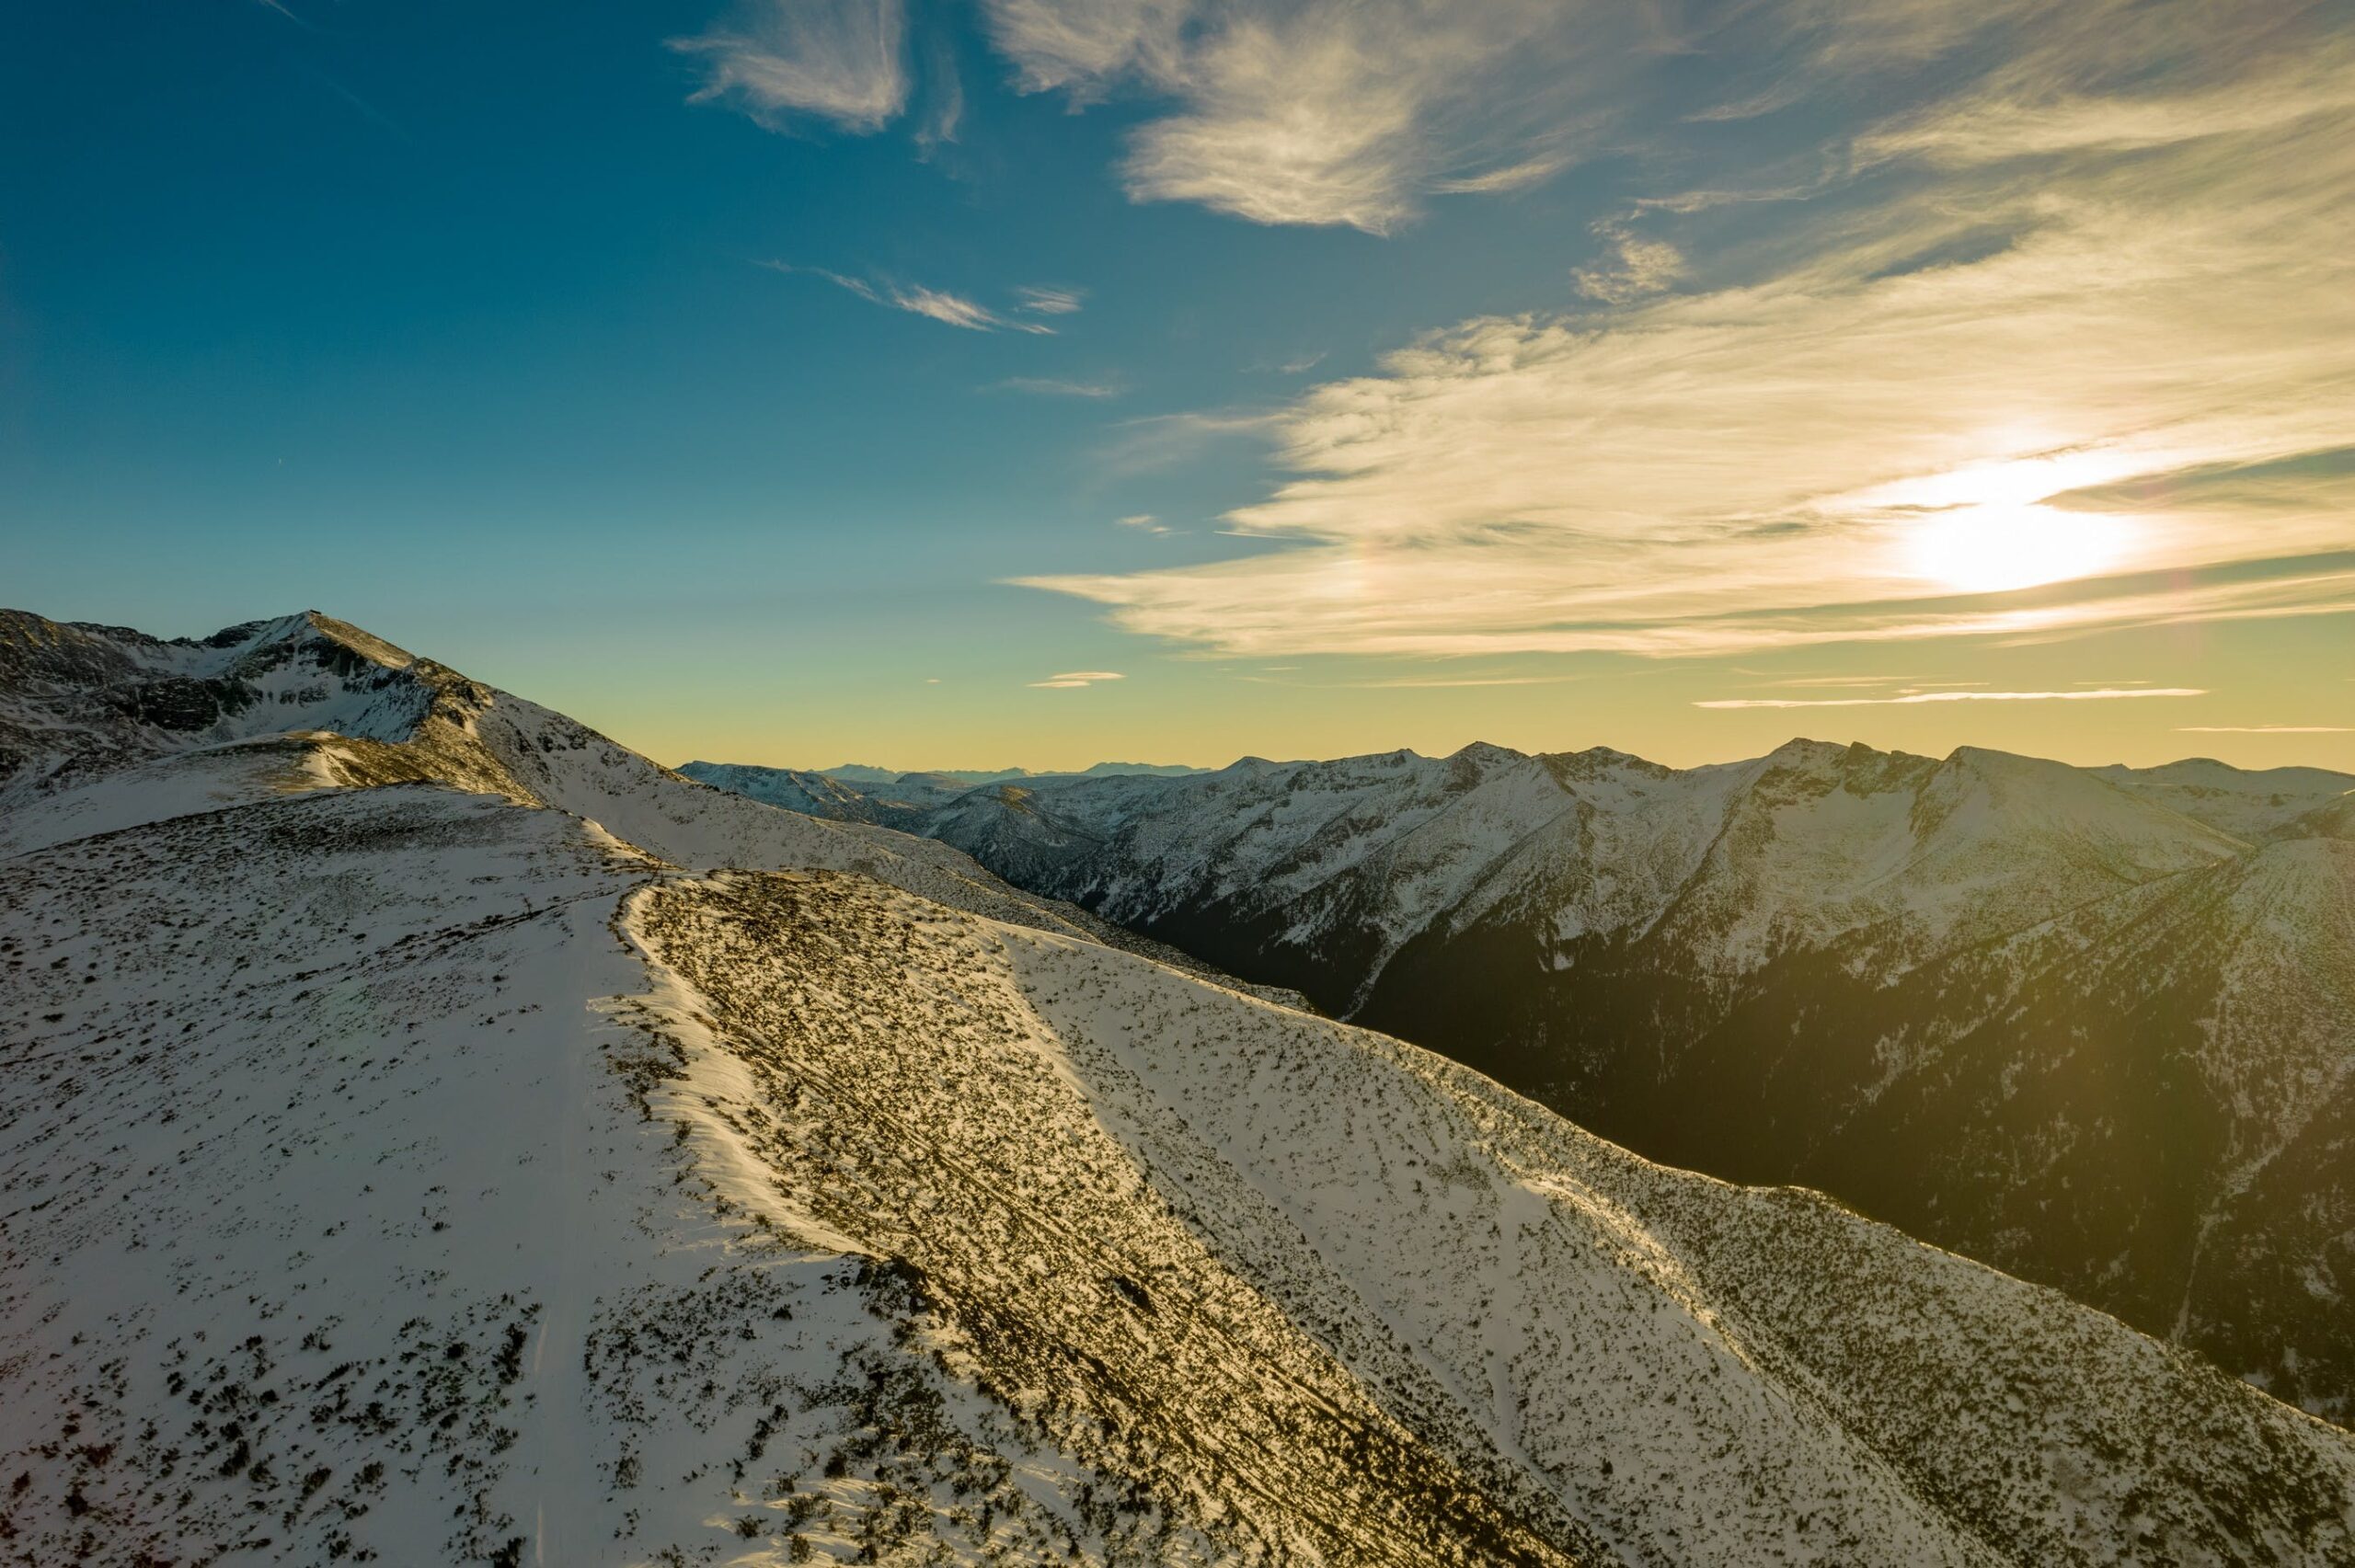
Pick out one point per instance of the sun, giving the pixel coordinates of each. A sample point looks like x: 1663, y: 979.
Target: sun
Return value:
x: 1998, y: 547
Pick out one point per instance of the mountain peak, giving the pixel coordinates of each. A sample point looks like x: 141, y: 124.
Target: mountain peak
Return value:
x: 302, y: 626
x: 1800, y: 748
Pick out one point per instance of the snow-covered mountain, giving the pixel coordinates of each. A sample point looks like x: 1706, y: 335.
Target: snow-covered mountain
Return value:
x: 837, y: 797
x: 2251, y: 805
x: 471, y: 1141
x: 856, y: 793
x: 1801, y: 967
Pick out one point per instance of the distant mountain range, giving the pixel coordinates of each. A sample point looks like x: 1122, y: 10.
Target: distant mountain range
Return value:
x: 2094, y: 1025
x: 860, y: 773
x: 432, y: 1132
x: 855, y: 792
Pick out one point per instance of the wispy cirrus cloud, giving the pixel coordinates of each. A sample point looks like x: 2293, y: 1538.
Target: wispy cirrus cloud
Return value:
x: 1074, y: 679
x: 2061, y: 347
x: 952, y: 310
x: 1349, y: 112
x: 1414, y: 682
x: 1164, y: 441
x: 935, y: 304
x: 944, y: 110
x: 1327, y: 113
x: 1512, y: 176
x: 1042, y: 301
x: 1914, y: 699
x: 839, y: 61
x: 1057, y: 387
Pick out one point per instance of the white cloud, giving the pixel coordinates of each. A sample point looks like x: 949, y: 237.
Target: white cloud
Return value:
x: 1512, y: 176
x: 1074, y: 680
x: 943, y: 109
x: 1163, y: 440
x: 1042, y: 301
x: 1411, y: 682
x: 1054, y: 386
x: 1345, y: 112
x: 1144, y: 523
x: 942, y: 306
x: 841, y: 61
x: 1993, y: 380
x: 1066, y: 43
x: 1638, y: 266
x: 1911, y: 699
x: 1331, y: 112
x: 936, y: 304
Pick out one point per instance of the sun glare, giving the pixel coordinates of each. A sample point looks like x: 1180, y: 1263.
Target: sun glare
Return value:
x: 1992, y: 549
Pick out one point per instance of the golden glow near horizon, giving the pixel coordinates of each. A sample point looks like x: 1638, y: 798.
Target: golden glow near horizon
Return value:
x: 1971, y: 374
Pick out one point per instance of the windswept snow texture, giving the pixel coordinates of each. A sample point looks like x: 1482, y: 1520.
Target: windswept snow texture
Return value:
x: 2095, y: 1026
x: 479, y: 1144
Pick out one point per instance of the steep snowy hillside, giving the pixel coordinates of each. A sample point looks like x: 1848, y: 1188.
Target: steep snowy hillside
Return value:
x: 2147, y: 1102
x: 402, y: 1162
x: 435, y: 1179
x: 1832, y: 966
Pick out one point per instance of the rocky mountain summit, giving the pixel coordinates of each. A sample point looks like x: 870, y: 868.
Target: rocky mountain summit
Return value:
x: 432, y: 1132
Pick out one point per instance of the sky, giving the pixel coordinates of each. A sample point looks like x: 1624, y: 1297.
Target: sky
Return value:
x: 1046, y: 382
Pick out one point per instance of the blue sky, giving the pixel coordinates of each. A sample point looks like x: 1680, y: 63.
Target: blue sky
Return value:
x: 771, y: 382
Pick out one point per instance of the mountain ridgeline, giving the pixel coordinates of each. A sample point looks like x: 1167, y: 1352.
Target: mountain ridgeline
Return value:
x: 432, y: 1132
x: 2095, y: 1026
x: 860, y: 793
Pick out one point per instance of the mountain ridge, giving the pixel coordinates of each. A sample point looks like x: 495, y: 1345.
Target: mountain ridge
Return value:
x: 486, y: 1145
x: 1639, y: 947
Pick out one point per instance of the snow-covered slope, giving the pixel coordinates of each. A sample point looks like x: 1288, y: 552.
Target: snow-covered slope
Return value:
x: 814, y: 793
x: 397, y: 1170
x: 83, y: 749
x: 2248, y: 803
x: 1803, y: 969
x: 1321, y: 872
x: 88, y: 697
x: 2147, y: 1101
x: 439, y: 1179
